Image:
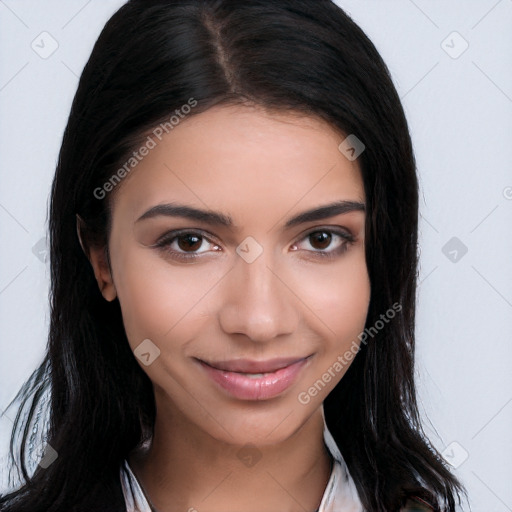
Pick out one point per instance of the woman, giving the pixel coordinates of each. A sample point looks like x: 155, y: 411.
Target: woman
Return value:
x: 233, y: 231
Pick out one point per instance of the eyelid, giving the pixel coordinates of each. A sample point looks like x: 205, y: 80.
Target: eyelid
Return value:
x: 345, y: 234
x: 166, y: 239
x: 163, y: 243
x: 338, y: 230
x: 170, y: 235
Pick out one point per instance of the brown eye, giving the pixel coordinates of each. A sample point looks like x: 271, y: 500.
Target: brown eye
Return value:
x: 320, y: 239
x: 189, y: 242
x: 326, y: 243
x: 186, y: 245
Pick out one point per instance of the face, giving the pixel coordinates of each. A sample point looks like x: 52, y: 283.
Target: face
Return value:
x: 256, y: 284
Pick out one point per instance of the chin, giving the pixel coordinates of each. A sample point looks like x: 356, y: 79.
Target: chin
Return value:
x: 259, y: 424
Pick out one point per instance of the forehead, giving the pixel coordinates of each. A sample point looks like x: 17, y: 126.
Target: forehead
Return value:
x: 243, y: 159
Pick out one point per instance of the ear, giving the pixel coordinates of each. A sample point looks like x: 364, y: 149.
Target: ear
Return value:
x: 98, y: 258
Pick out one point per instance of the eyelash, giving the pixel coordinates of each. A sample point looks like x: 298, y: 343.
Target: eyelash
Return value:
x: 167, y: 239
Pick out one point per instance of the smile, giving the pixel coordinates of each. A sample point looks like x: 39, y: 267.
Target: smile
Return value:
x: 253, y: 380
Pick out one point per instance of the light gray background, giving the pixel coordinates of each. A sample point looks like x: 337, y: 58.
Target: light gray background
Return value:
x: 459, y: 106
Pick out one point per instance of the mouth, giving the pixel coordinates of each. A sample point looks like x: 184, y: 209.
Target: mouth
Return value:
x: 255, y: 380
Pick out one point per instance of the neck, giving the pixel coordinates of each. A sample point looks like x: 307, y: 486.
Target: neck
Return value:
x: 186, y: 467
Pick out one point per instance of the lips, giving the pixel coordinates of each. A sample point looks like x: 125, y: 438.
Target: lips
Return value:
x: 255, y: 380
x: 248, y: 366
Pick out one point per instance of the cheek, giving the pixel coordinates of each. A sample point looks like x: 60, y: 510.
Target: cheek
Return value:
x: 340, y: 300
x: 159, y: 301
x: 163, y: 302
x: 339, y: 295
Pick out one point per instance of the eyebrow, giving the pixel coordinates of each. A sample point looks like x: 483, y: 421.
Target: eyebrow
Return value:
x: 213, y: 218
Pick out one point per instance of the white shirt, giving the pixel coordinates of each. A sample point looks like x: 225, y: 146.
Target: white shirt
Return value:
x: 340, y: 495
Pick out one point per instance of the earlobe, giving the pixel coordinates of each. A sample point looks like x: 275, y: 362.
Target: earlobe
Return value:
x: 98, y: 258
x: 102, y: 272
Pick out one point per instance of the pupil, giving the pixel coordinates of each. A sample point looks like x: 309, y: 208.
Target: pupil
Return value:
x: 188, y: 245
x: 324, y: 240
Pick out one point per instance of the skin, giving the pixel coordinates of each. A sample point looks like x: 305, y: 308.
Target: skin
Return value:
x: 261, y: 169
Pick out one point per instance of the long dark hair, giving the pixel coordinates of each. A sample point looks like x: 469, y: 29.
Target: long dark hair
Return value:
x: 153, y: 57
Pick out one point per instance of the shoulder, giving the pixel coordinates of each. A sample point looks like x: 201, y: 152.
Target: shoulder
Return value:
x: 415, y: 504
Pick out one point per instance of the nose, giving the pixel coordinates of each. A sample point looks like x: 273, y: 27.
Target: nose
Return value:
x: 259, y: 300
